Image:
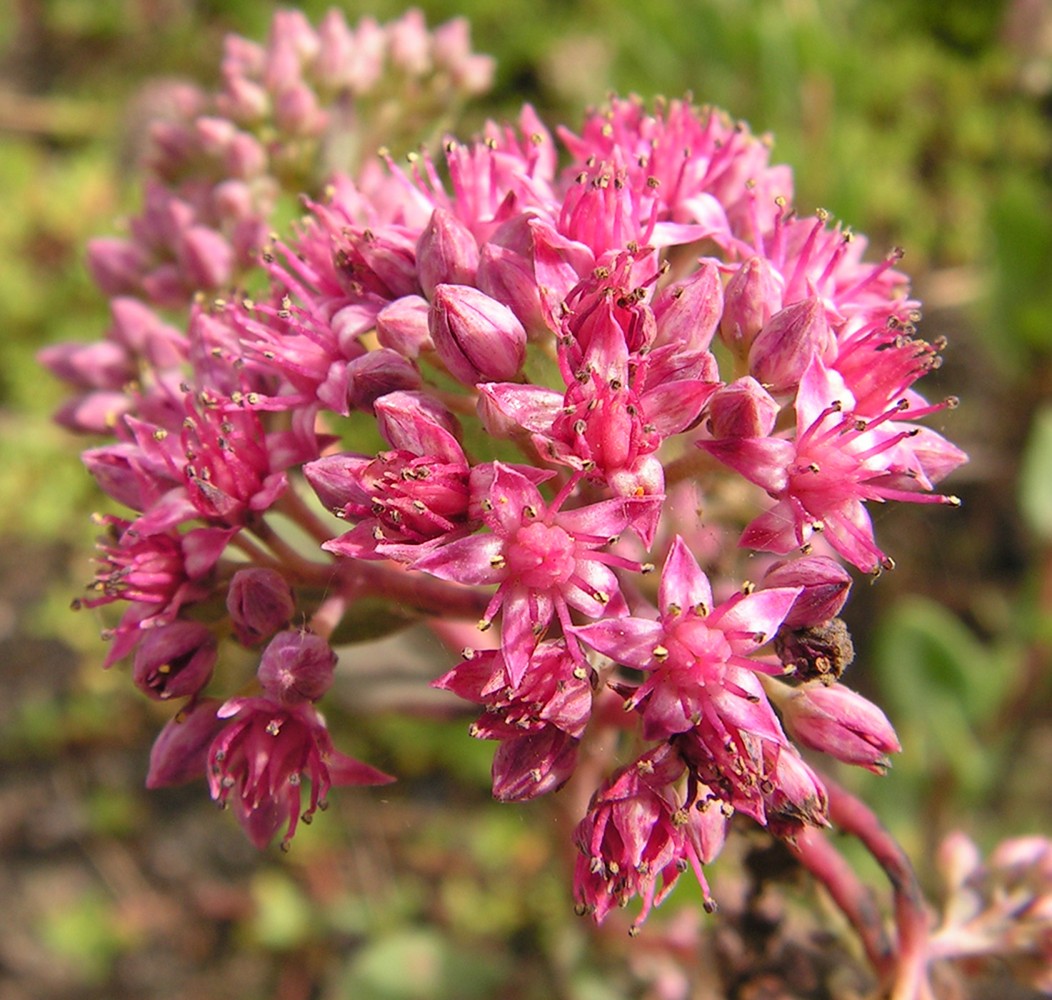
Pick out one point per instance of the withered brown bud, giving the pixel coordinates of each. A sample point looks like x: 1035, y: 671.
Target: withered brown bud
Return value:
x: 818, y: 652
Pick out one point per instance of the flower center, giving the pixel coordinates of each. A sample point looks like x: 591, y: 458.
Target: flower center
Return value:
x: 542, y: 556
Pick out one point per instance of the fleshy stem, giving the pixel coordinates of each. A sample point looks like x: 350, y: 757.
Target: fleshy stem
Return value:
x: 909, y: 980
x: 415, y: 590
x: 814, y: 851
x: 293, y: 505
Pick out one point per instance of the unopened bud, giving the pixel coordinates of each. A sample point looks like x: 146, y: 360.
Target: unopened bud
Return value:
x: 785, y: 346
x: 826, y: 584
x: 478, y: 338
x: 688, y: 312
x: 446, y: 253
x: 296, y: 667
x: 840, y: 722
x: 180, y: 751
x: 377, y: 373
x: 402, y: 326
x: 742, y: 409
x: 750, y: 299
x: 260, y: 602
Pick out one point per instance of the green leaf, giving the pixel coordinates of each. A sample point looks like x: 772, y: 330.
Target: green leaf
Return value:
x: 1035, y: 478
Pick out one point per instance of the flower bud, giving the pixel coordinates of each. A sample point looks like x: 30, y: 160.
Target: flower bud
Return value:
x: 826, y: 584
x: 138, y: 328
x: 103, y: 364
x: 688, y: 312
x: 296, y: 110
x: 174, y: 660
x: 243, y: 101
x: 419, y: 423
x: 402, y: 326
x: 505, y: 271
x: 742, y: 409
x: 296, y: 667
x: 446, y: 253
x: 205, y: 258
x: 116, y: 265
x: 838, y: 721
x: 478, y: 338
x: 376, y: 374
x: 260, y: 602
x: 750, y: 299
x: 788, y: 342
x: 180, y: 751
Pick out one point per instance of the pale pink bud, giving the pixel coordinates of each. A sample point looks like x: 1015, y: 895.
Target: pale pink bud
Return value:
x: 174, y: 660
x: 402, y: 326
x: 214, y: 135
x: 260, y: 602
x: 296, y: 667
x: 102, y: 364
x: 478, y: 338
x: 233, y: 200
x: 742, y: 409
x: 206, y: 258
x: 825, y: 588
x: 446, y: 253
x: 409, y: 43
x: 116, y: 265
x: 243, y: 101
x: 688, y: 312
x: 336, y: 51
x: 841, y: 723
x: 751, y: 298
x: 140, y: 329
x: 180, y: 751
x: 452, y: 51
x: 788, y: 342
x: 296, y: 111
x: 245, y: 157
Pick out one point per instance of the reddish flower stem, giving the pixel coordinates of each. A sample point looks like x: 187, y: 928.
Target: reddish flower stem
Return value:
x: 855, y: 900
x: 909, y: 979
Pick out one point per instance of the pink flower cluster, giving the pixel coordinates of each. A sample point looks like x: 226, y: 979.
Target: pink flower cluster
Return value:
x: 569, y: 355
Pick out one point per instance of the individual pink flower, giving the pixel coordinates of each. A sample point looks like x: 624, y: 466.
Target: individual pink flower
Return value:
x: 538, y: 724
x: 403, y: 500
x: 637, y: 831
x: 544, y: 560
x: 174, y: 660
x: 258, y: 762
x: 837, y: 462
x: 694, y: 655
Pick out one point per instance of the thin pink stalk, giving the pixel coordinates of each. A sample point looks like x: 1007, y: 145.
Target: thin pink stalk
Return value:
x: 855, y: 900
x: 909, y: 980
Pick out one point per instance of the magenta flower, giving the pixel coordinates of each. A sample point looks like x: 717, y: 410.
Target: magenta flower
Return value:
x: 636, y: 831
x: 694, y: 654
x: 544, y: 560
x: 259, y: 760
x: 837, y: 462
x: 539, y: 723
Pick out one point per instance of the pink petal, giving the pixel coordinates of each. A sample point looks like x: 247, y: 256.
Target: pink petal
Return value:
x: 682, y: 581
x: 467, y: 560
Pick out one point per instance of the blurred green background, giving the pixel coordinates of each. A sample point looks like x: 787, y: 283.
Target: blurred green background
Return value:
x: 921, y: 123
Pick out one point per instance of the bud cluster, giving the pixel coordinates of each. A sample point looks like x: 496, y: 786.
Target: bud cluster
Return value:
x: 556, y: 359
